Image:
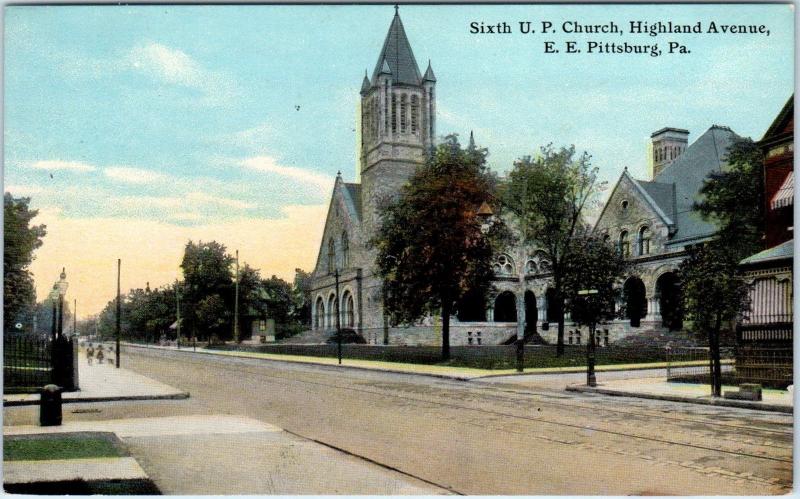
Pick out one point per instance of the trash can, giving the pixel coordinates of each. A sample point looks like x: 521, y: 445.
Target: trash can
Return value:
x: 50, y: 406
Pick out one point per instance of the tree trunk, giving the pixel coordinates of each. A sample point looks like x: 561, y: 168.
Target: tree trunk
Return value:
x: 715, y: 354
x: 560, y: 312
x: 446, y: 306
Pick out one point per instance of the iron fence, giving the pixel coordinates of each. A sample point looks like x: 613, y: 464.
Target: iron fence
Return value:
x: 27, y: 363
x: 770, y: 367
x: 693, y: 364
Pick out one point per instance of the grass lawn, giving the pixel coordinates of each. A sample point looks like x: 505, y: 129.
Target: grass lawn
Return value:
x: 45, y: 447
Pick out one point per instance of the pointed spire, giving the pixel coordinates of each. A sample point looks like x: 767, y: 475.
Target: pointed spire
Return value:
x: 471, y: 141
x: 397, y: 56
x: 365, y: 84
x: 429, y: 76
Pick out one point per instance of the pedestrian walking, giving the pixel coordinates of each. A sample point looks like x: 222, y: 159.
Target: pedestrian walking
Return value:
x: 100, y: 354
x: 90, y: 354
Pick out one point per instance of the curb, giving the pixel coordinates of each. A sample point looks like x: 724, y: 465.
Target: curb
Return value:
x: 555, y: 371
x: 741, y: 404
x: 318, y: 364
x: 170, y: 396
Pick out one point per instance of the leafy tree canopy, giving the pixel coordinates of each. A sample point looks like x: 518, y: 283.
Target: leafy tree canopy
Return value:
x: 20, y: 240
x: 431, y: 246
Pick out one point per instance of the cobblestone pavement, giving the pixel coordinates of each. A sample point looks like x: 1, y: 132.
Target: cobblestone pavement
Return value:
x: 482, y: 438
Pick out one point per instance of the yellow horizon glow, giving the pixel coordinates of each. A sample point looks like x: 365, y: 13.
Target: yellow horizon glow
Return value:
x: 151, y: 250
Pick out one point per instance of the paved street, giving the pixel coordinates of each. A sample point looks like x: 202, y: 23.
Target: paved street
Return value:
x: 471, y: 438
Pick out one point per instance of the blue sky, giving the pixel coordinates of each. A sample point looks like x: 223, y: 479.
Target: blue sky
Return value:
x: 163, y: 123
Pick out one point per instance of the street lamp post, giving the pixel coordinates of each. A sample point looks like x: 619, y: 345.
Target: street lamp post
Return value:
x: 119, y: 309
x: 591, y: 380
x: 62, y: 286
x: 54, y: 317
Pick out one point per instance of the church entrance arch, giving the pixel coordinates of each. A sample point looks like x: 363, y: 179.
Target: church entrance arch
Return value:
x: 635, y: 300
x: 505, y: 307
x: 531, y: 312
x: 670, y: 300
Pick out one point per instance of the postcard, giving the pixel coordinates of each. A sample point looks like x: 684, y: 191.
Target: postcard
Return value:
x: 412, y: 249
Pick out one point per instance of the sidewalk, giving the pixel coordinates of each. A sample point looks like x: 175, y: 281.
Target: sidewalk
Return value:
x: 104, y: 382
x: 660, y: 389
x: 234, y: 455
x: 448, y: 372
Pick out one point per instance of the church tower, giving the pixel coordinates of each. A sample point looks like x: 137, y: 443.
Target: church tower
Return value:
x: 398, y: 108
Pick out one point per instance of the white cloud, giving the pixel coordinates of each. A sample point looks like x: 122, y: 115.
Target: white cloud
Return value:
x: 176, y: 67
x: 133, y: 175
x: 172, y: 65
x: 54, y: 165
x: 202, y: 198
x: 320, y: 183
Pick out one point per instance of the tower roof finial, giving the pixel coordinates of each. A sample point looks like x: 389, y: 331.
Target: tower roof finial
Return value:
x: 396, y: 9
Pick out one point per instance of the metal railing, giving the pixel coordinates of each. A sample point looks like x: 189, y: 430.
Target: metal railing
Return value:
x: 692, y: 364
x: 771, y: 367
x: 27, y: 363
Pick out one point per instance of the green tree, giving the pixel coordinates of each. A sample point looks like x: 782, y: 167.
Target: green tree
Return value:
x: 431, y: 249
x: 599, y: 268
x: 550, y: 195
x: 207, y: 271
x: 715, y: 293
x: 302, y: 297
x: 214, y: 317
x: 734, y: 199
x: 20, y: 240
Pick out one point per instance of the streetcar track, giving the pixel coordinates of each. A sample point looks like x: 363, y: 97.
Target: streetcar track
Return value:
x: 545, y: 394
x: 505, y: 414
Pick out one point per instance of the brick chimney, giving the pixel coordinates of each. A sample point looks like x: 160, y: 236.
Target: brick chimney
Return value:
x: 666, y: 145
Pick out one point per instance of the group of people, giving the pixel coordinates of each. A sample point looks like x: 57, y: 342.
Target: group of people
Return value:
x: 91, y: 354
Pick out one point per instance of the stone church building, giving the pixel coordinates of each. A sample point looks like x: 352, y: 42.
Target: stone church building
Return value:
x: 650, y: 220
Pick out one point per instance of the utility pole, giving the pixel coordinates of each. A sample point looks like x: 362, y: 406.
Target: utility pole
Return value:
x: 119, y: 307
x: 178, y: 315
x: 236, y: 303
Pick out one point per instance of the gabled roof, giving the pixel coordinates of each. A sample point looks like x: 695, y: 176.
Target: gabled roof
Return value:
x: 783, y: 251
x: 688, y: 172
x: 397, y: 54
x: 352, y: 193
x: 776, y: 129
x: 658, y: 204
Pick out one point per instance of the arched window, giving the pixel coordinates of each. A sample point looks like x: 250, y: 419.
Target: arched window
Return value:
x: 394, y: 113
x: 319, y: 321
x: 531, y: 267
x: 504, y: 265
x: 348, y: 315
x: 403, y: 109
x: 345, y: 251
x: 385, y: 107
x: 414, y: 113
x: 332, y: 309
x: 331, y: 256
x: 644, y: 241
x: 624, y: 244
